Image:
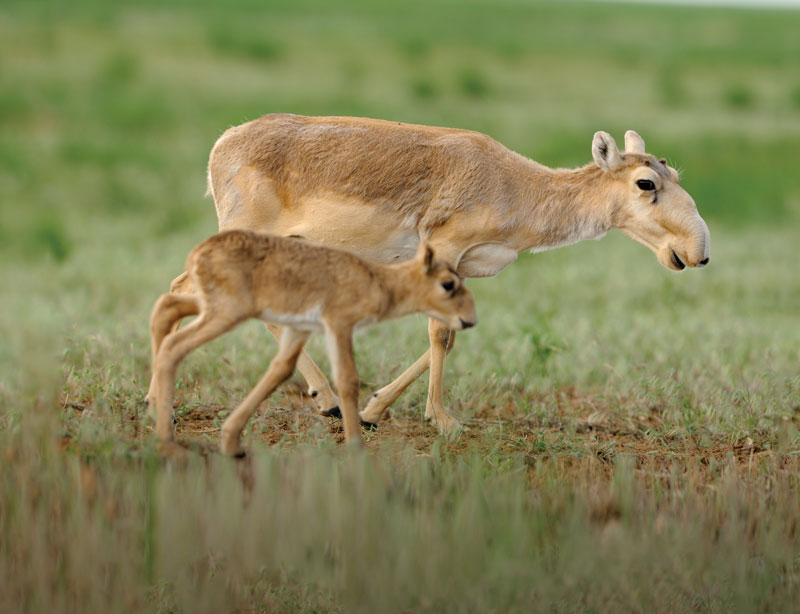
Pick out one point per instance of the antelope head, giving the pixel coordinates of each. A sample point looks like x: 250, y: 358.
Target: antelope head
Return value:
x: 650, y: 205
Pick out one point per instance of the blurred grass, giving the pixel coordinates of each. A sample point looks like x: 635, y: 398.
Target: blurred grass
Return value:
x: 115, y: 530
x: 107, y: 114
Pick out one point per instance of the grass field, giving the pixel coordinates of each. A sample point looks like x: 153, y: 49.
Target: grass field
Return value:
x: 631, y: 435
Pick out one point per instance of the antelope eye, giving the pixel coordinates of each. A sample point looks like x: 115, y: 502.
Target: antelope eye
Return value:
x: 646, y: 185
x: 448, y: 285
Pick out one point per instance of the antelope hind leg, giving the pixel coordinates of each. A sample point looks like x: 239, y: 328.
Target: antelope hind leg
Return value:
x: 318, y: 387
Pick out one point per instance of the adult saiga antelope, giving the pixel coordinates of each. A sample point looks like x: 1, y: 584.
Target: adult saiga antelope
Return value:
x: 375, y: 188
x: 241, y: 274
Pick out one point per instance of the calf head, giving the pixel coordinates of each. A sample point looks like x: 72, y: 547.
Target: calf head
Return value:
x: 441, y: 293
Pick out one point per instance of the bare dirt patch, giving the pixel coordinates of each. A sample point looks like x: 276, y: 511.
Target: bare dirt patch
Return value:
x: 578, y: 434
x: 578, y: 428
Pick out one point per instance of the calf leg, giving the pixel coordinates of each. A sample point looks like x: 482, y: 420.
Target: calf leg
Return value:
x: 318, y: 386
x: 182, y: 284
x: 340, y: 348
x: 174, y: 348
x: 281, y: 367
x: 169, y: 310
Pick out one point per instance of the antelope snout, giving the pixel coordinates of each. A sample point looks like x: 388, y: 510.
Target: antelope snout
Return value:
x: 697, y: 264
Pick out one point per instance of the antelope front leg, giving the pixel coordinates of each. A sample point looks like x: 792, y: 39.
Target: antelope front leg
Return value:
x: 387, y: 395
x: 318, y: 387
x: 442, y: 339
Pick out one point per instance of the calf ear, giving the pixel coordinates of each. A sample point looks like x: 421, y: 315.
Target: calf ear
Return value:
x: 425, y: 256
x: 605, y: 152
x: 633, y: 142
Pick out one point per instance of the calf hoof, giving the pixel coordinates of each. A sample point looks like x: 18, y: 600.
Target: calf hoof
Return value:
x: 233, y: 451
x: 333, y: 412
x: 231, y: 446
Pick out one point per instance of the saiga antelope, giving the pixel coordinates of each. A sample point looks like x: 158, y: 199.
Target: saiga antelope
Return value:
x: 376, y: 188
x: 240, y: 274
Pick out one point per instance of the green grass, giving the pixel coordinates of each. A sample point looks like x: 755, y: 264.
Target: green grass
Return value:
x: 631, y: 437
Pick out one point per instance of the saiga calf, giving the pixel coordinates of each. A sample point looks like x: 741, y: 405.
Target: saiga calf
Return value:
x: 297, y: 288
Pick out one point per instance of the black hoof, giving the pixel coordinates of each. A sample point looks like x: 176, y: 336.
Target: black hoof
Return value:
x: 333, y: 412
x: 369, y: 426
x: 240, y: 455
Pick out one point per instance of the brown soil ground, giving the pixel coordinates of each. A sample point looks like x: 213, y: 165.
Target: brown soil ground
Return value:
x: 579, y: 431
x: 580, y: 438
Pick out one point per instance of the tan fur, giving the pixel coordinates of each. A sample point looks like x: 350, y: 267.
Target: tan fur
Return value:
x: 302, y: 288
x: 375, y: 188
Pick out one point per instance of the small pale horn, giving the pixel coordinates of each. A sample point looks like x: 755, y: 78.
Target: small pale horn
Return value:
x: 633, y: 142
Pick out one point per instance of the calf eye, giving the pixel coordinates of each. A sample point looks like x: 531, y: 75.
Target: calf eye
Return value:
x: 646, y: 185
x: 448, y: 285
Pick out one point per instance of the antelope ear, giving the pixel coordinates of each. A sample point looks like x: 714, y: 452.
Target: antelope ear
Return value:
x: 605, y: 152
x: 633, y: 142
x: 425, y: 256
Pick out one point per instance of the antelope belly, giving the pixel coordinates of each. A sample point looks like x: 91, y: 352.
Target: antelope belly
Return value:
x: 365, y: 229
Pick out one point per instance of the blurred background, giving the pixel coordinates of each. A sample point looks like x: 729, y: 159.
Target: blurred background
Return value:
x: 108, y: 111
